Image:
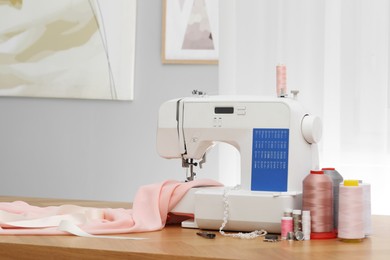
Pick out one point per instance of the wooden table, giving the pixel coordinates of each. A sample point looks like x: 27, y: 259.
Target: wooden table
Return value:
x: 174, y: 242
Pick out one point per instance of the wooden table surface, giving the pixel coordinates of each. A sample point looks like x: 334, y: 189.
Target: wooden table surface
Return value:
x: 174, y: 242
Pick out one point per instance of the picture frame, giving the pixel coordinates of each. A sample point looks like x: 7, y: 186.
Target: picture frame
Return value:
x: 185, y: 38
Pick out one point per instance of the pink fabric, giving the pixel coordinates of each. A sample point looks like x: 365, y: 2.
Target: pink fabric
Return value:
x: 150, y: 210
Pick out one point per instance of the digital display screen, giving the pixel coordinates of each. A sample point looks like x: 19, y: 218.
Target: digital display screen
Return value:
x: 224, y: 110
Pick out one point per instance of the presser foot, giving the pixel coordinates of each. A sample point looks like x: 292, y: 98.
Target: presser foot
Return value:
x: 189, y: 165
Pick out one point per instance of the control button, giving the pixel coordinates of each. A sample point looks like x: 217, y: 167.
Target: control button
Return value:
x: 241, y: 110
x: 217, y: 122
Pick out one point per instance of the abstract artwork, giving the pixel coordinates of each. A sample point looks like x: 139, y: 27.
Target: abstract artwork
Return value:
x: 190, y: 31
x: 67, y: 48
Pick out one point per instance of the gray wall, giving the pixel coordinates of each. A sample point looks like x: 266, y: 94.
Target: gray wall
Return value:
x: 103, y: 150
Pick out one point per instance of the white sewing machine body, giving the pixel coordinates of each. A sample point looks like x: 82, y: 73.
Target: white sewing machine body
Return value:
x: 274, y: 137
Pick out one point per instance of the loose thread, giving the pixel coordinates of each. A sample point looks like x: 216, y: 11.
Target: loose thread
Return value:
x: 249, y: 235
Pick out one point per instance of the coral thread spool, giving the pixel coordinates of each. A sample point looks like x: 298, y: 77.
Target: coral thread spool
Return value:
x: 317, y: 198
x: 351, y: 212
x: 286, y: 226
x: 336, y: 179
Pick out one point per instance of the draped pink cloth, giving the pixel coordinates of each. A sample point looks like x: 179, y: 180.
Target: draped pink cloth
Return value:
x: 150, y: 210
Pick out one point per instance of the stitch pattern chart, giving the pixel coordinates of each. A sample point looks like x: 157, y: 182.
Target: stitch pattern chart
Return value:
x: 270, y: 159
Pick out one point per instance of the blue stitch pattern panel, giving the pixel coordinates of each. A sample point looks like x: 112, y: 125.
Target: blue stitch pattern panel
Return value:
x: 270, y: 159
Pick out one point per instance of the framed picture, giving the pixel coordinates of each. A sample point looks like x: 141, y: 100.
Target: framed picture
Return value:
x: 80, y: 49
x: 190, y: 32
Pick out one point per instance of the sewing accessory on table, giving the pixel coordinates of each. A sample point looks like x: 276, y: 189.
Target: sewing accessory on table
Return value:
x: 299, y: 235
x: 318, y: 199
x: 306, y: 224
x: 271, y: 238
x: 297, y: 220
x: 250, y: 235
x: 351, y: 214
x: 336, y: 180
x: 286, y: 226
x: 367, y: 207
x: 287, y: 213
x: 206, y: 234
x: 290, y: 236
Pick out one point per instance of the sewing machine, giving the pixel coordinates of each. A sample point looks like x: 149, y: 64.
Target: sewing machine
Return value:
x: 276, y: 139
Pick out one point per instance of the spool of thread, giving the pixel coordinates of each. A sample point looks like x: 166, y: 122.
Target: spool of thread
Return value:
x: 317, y: 198
x: 297, y: 219
x: 281, y: 80
x: 367, y: 208
x: 286, y: 226
x: 336, y: 179
x: 351, y: 212
x: 306, y: 227
x: 288, y: 213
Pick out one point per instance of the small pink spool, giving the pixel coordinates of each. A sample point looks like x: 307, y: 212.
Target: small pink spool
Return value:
x: 281, y: 80
x: 286, y: 226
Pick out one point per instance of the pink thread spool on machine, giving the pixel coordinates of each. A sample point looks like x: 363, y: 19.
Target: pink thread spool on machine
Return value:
x: 281, y: 80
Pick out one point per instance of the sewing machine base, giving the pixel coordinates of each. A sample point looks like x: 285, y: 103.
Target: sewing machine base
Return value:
x: 248, y: 210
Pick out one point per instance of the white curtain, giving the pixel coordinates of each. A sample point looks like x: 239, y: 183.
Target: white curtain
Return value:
x: 337, y: 56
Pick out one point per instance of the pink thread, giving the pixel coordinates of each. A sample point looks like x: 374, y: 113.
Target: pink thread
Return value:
x: 318, y: 199
x: 306, y: 222
x: 336, y: 179
x: 367, y: 208
x: 281, y: 79
x: 351, y: 212
x: 286, y: 226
